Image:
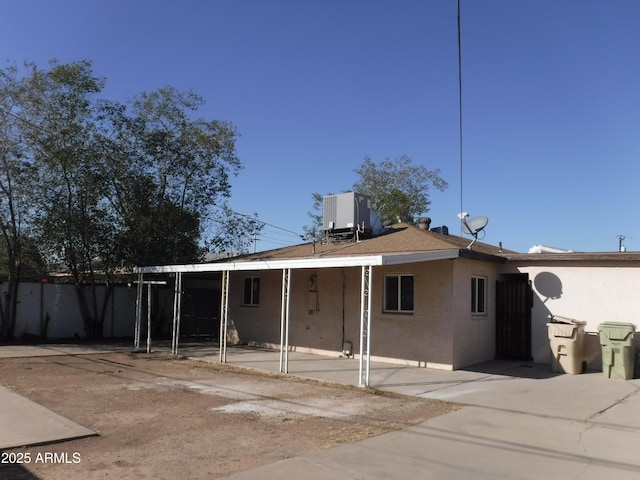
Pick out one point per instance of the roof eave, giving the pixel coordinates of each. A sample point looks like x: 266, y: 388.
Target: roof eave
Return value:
x: 574, y: 256
x: 324, y: 262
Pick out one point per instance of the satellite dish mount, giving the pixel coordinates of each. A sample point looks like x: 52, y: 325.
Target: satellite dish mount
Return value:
x: 472, y: 226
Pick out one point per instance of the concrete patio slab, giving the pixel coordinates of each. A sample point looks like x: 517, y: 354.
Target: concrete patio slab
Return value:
x: 23, y: 422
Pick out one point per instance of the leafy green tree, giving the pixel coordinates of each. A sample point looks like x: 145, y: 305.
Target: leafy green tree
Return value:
x: 18, y: 254
x: 234, y: 233
x: 110, y: 185
x: 164, y: 171
x: 74, y: 224
x: 398, y: 188
x: 399, y: 191
x: 314, y: 230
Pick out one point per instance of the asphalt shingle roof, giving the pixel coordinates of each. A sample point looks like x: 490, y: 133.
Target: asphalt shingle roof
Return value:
x: 399, y: 238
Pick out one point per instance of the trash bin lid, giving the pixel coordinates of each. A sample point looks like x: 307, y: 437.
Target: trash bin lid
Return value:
x: 561, y: 319
x: 621, y: 325
x: 562, y: 330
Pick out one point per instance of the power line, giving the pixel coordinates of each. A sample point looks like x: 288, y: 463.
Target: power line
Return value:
x: 251, y: 217
x: 460, y: 105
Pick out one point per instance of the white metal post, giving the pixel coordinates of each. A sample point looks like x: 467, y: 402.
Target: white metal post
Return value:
x: 369, y: 304
x: 284, y: 321
x: 148, y: 317
x: 136, y: 328
x: 177, y: 304
x: 224, y: 315
x: 365, y: 326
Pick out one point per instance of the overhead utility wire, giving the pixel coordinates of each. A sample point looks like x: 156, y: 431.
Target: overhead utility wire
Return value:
x: 251, y: 217
x: 460, y: 106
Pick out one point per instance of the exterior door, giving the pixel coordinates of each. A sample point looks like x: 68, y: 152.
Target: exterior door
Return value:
x: 514, y: 299
x: 199, y: 317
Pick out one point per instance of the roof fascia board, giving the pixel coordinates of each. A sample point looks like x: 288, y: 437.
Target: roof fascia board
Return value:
x: 574, y: 257
x: 356, y: 261
x: 402, y: 258
x: 487, y: 257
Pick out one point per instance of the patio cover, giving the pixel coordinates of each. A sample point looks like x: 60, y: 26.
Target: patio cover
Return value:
x: 366, y: 262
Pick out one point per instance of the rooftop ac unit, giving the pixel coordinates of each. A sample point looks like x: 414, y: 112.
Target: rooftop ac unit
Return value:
x: 346, y: 212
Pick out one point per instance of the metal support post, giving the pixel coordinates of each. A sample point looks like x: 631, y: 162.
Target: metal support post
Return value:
x: 149, y: 317
x: 136, y: 328
x: 224, y: 315
x: 177, y: 304
x: 365, y: 326
x: 284, y: 321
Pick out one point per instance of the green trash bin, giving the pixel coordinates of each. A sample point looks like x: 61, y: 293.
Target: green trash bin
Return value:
x: 618, y: 351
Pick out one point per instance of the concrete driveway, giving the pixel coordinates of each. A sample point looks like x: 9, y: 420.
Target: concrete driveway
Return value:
x: 521, y: 421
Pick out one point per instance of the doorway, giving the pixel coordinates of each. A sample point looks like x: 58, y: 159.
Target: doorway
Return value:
x: 514, y: 300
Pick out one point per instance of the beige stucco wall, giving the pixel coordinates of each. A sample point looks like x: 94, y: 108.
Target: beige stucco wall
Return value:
x: 474, y: 334
x: 425, y: 336
x: 586, y: 292
x: 260, y: 323
x: 327, y: 312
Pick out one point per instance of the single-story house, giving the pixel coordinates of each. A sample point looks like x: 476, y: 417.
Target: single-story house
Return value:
x: 401, y: 294
x: 411, y: 295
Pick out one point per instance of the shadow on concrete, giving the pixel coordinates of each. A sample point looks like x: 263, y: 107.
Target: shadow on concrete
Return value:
x: 514, y: 368
x: 13, y: 471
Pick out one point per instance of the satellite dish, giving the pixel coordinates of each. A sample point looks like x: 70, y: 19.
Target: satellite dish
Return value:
x: 472, y: 226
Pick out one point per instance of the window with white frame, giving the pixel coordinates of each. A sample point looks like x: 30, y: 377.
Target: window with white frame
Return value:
x: 478, y: 295
x: 398, y: 293
x: 251, y: 291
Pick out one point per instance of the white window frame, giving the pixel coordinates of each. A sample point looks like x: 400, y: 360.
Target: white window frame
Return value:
x: 399, y: 308
x: 478, y: 303
x: 253, y: 282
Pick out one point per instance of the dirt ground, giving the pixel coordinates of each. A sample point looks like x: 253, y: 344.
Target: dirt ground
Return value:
x: 159, y: 417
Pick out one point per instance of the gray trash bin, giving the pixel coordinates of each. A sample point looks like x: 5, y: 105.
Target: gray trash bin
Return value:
x: 566, y: 339
x: 618, y: 350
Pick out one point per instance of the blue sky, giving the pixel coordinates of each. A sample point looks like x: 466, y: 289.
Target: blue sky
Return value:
x: 551, y: 99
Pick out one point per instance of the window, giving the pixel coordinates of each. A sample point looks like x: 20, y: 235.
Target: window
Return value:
x: 398, y: 293
x: 251, y: 291
x: 478, y: 295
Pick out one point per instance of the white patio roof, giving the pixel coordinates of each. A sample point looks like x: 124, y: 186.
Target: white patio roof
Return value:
x: 310, y: 262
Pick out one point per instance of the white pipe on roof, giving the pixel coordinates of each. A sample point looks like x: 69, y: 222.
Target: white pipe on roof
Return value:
x: 546, y: 249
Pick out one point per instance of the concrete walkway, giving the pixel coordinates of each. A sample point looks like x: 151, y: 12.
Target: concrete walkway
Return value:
x: 521, y: 422
x: 23, y: 422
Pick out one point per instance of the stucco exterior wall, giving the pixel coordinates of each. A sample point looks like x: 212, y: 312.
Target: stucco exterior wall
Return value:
x: 52, y: 309
x: 586, y: 292
x: 424, y: 336
x: 255, y: 323
x: 325, y: 312
x: 474, y: 334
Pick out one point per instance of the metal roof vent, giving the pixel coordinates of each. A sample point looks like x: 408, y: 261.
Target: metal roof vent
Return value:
x: 443, y: 230
x: 424, y: 223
